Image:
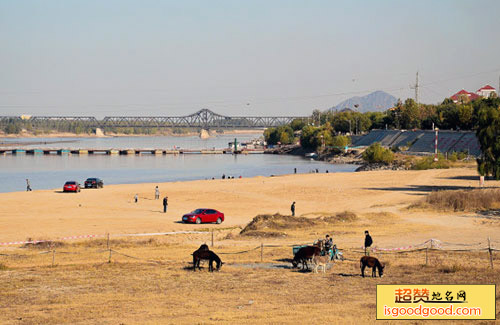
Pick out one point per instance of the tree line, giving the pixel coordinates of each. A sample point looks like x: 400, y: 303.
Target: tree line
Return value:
x: 326, y: 125
x: 332, y: 129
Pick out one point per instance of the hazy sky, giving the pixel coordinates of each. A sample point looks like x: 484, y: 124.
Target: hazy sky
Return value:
x: 98, y: 57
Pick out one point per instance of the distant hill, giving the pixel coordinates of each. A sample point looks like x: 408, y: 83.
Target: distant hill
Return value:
x: 375, y: 102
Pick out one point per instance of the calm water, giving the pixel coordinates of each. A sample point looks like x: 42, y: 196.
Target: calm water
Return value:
x: 47, y: 172
x: 153, y: 142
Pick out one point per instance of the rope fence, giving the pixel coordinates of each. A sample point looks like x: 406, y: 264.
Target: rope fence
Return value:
x: 430, y: 245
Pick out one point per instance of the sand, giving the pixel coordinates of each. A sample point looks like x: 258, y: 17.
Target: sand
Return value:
x: 51, y: 214
x: 149, y: 280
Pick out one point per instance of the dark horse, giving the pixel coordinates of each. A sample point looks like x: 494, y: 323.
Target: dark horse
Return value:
x: 372, y: 262
x: 199, y: 255
x: 304, y: 254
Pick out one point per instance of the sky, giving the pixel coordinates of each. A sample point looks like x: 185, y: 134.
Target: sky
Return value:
x: 169, y: 58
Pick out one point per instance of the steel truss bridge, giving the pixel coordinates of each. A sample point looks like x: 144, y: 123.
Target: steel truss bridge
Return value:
x: 203, y: 119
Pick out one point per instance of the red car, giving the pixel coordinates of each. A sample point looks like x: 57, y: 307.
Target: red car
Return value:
x: 203, y: 215
x: 71, y: 186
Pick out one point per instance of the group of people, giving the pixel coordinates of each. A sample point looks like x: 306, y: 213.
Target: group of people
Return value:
x: 368, y: 243
x: 329, y: 240
x: 157, y: 197
x: 228, y: 177
x: 311, y: 171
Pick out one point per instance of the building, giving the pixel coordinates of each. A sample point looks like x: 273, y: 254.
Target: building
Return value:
x: 465, y: 96
x: 486, y: 91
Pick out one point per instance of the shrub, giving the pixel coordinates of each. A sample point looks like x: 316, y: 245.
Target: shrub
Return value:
x: 340, y: 141
x: 429, y: 163
x: 375, y: 153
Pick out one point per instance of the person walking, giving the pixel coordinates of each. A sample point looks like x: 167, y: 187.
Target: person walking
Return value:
x: 157, y: 193
x: 165, y: 204
x: 292, y: 208
x: 28, y: 186
x: 136, y: 198
x: 368, y: 243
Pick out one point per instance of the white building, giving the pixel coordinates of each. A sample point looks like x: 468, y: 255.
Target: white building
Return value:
x: 486, y: 91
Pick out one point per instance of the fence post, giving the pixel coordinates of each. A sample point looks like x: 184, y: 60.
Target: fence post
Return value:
x: 109, y: 259
x: 426, y: 249
x: 261, y: 252
x: 107, y: 241
x: 489, y: 252
x: 212, y: 238
x: 53, y: 257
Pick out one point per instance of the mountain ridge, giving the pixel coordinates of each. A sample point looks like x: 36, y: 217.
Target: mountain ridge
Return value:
x: 377, y: 101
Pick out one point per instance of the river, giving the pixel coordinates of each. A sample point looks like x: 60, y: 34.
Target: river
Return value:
x: 51, y: 171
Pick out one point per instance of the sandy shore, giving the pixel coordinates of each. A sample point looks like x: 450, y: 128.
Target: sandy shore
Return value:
x: 50, y: 214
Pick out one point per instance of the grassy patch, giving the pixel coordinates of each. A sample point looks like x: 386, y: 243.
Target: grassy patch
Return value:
x: 429, y: 163
x: 272, y: 225
x: 464, y: 200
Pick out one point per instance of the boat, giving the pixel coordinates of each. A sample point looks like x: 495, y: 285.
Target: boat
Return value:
x: 311, y: 155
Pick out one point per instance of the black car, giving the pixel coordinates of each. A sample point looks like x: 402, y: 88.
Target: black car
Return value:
x: 94, y: 183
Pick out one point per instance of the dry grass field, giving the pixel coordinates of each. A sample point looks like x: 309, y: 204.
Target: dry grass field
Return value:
x: 150, y: 280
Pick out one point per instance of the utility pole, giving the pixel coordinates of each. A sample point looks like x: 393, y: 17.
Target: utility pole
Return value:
x: 436, y: 146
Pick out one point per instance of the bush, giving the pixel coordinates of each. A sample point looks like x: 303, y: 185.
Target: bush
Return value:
x: 429, y: 163
x: 340, y: 141
x: 375, y: 153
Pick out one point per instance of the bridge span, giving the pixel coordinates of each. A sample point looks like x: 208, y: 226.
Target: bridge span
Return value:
x: 203, y: 119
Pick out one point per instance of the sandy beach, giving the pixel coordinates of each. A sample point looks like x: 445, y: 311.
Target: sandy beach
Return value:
x: 149, y: 280
x: 50, y: 214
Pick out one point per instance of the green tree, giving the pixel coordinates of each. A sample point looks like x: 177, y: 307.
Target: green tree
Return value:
x: 410, y: 115
x: 488, y: 134
x: 297, y: 124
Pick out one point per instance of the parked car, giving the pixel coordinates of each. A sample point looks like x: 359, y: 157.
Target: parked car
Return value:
x: 203, y: 215
x: 94, y: 183
x: 71, y: 186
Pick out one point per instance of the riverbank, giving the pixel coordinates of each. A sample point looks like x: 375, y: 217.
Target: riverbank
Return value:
x: 332, y: 156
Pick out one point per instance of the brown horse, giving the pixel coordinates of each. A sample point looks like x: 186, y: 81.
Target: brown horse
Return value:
x: 306, y: 253
x: 370, y: 261
x: 199, y: 255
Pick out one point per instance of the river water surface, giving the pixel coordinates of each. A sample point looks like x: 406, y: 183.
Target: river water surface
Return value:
x: 51, y: 171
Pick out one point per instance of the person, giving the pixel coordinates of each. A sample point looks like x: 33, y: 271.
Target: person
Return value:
x: 368, y: 243
x: 223, y: 176
x: 157, y: 193
x: 295, y: 170
x: 136, y: 197
x: 328, y: 243
x: 28, y: 186
x: 317, y: 171
x: 293, y: 209
x: 165, y: 204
